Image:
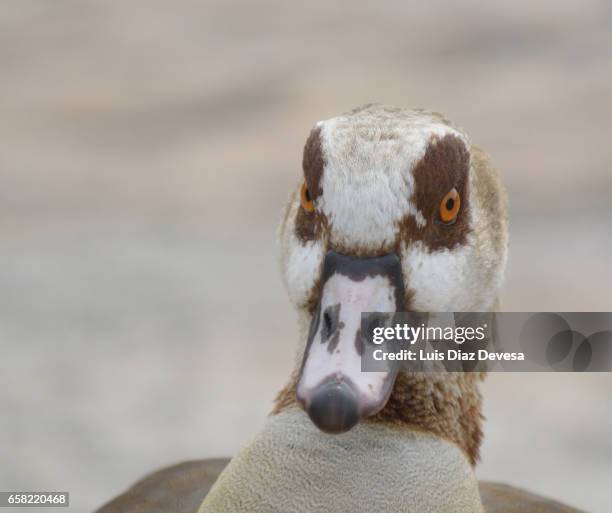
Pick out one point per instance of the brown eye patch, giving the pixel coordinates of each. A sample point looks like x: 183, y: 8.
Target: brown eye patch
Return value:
x: 308, y: 225
x: 444, y: 168
x: 313, y: 163
x: 308, y: 222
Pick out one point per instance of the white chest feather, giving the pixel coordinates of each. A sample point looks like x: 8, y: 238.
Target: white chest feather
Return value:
x: 292, y: 467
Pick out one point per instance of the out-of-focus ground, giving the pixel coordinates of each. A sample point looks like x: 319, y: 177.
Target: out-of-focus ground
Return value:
x: 146, y: 150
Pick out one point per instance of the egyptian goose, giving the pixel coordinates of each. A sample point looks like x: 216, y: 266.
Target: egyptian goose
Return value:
x: 397, y: 210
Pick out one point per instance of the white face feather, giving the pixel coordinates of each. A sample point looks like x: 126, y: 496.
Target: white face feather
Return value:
x: 367, y: 189
x: 303, y: 265
x: 445, y: 280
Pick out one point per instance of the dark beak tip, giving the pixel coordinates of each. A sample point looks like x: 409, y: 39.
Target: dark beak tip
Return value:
x: 334, y: 408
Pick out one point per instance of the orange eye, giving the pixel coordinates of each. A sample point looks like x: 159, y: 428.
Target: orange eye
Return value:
x: 305, y: 199
x: 449, y: 206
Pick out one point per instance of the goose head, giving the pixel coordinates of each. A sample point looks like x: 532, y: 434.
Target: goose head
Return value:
x: 396, y: 211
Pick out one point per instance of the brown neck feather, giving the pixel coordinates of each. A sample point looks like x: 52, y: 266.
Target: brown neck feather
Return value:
x: 447, y: 405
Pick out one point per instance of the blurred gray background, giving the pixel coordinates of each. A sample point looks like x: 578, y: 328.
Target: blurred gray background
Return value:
x: 146, y: 150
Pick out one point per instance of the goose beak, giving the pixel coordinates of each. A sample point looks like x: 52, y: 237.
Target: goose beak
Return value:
x: 332, y: 389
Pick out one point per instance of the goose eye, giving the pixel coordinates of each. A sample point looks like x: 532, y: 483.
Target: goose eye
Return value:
x: 305, y: 199
x: 449, y: 206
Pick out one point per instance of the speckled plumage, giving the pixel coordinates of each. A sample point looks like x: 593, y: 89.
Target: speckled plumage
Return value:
x: 290, y: 466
